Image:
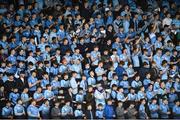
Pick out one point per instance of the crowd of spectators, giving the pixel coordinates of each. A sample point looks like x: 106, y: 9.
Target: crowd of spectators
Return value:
x: 89, y: 59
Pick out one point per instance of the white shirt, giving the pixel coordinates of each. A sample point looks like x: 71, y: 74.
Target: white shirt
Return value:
x: 167, y: 21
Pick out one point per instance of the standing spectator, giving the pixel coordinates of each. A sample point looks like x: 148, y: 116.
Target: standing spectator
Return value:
x: 33, y: 111
x: 120, y: 70
x: 131, y: 111
x: 7, y: 111
x: 142, y: 110
x: 120, y: 110
x: 67, y: 111
x: 45, y: 110
x: 90, y: 113
x: 19, y: 110
x: 109, y: 112
x: 55, y: 111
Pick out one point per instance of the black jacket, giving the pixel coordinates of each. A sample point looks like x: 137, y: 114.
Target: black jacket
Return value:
x: 21, y: 84
x: 88, y: 114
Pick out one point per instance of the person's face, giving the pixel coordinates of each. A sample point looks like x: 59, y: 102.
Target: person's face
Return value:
x: 34, y: 103
x: 159, y: 53
x: 165, y: 102
x: 168, y: 53
x: 159, y: 38
x: 11, y: 77
x: 118, y: 39
x: 138, y: 77
x: 121, y: 29
x: 17, y: 17
x: 177, y: 103
x: 4, y: 38
x: 132, y: 91
x: 65, y: 42
x: 142, y: 89
x: 126, y: 7
x: 125, y: 51
x: 162, y: 85
x: 108, y: 42
x: 100, y: 107
x: 174, y: 67
x: 21, y: 52
x: 47, y: 103
x: 104, y: 78
x: 49, y: 88
x: 121, y: 90
x: 90, y: 89
x: 58, y: 52
x: 92, y: 73
x: 101, y: 64
x: 99, y: 16
x: 54, y: 30
x: 91, y: 20
x: 144, y: 17
x: 89, y: 107
x: 20, y: 102
x: 81, y: 92
x: 87, y: 66
x: 143, y: 102
x: 48, y: 49
x: 2, y: 51
x: 154, y: 101
x: 77, y: 51
x: 13, y: 52
x: 175, y: 53
x: 114, y: 52
x: 34, y: 74
x: 172, y: 91
x: 125, y: 77
x: 105, y: 52
x: 46, y: 76
x: 26, y: 90
x: 56, y: 78
x: 74, y: 75
x: 120, y: 104
x: 57, y: 104
x: 68, y: 103
x: 39, y: 90
x: 109, y: 102
x: 148, y: 75
x: 66, y: 77
x: 76, y: 7
x: 168, y: 15
x: 79, y: 106
x: 15, y: 90
x: 115, y: 77
x: 8, y: 104
x: 150, y: 87
x: 83, y: 77
x: 22, y: 75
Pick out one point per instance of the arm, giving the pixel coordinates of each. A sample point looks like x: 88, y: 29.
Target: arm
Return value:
x: 33, y: 84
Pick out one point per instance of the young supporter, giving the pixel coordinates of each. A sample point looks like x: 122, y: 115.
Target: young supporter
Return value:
x: 109, y: 112
x: 33, y: 111
x: 7, y: 111
x: 19, y: 110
